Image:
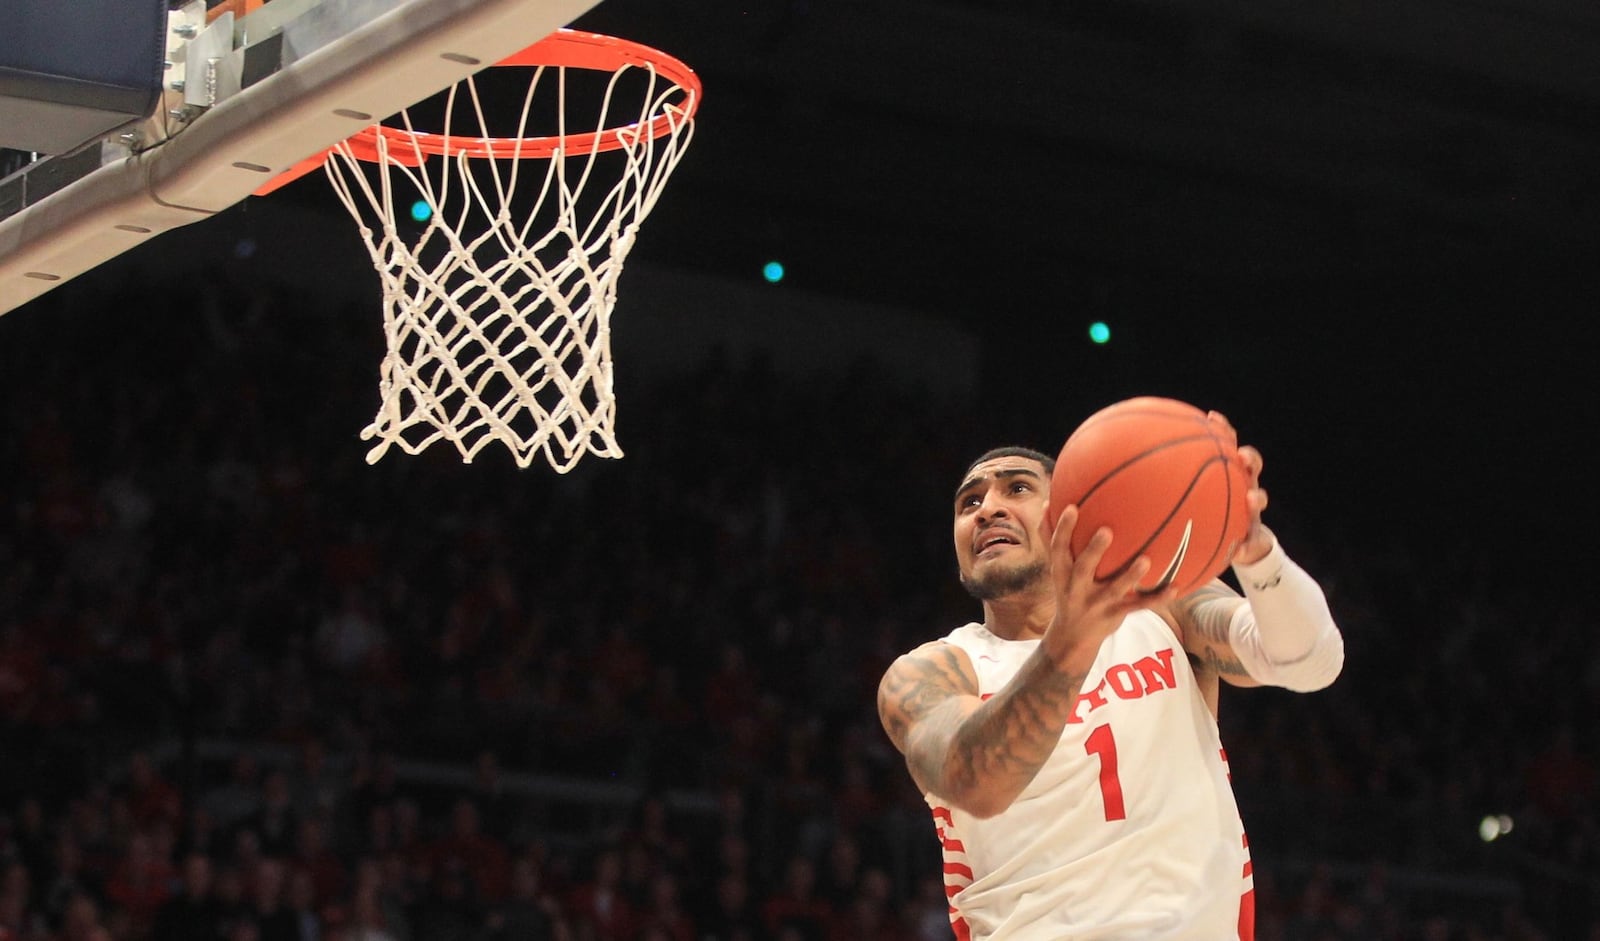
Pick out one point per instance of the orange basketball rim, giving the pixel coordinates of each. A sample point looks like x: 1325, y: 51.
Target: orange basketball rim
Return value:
x: 564, y: 48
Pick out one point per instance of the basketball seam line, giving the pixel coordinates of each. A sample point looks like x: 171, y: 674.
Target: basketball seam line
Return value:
x: 1193, y: 481
x: 1142, y: 413
x: 1173, y: 442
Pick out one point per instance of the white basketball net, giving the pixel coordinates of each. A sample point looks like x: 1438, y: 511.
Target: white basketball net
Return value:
x: 497, y: 318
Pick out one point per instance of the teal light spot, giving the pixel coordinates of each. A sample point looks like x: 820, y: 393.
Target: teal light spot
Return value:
x: 1099, y: 332
x: 772, y: 271
x: 421, y: 211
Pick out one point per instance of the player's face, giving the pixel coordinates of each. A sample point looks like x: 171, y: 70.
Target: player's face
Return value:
x: 999, y: 517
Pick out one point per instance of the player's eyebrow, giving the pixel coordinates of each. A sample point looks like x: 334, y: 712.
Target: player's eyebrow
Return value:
x: 1002, y: 474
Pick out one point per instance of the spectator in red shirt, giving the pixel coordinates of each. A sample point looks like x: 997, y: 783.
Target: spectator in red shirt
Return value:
x: 271, y: 913
x: 150, y: 798
x: 531, y: 913
x: 795, y: 906
x: 194, y: 914
x: 313, y: 856
x: 870, y: 914
x: 664, y: 917
x: 81, y: 921
x: 483, y: 858
x: 18, y: 920
x: 600, y: 905
x: 141, y: 883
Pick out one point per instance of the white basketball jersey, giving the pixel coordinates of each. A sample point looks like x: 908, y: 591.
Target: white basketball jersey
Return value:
x: 1129, y: 831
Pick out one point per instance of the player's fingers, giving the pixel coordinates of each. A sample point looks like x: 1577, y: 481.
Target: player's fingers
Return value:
x: 1221, y: 419
x: 1060, y: 522
x: 1256, y: 500
x: 1251, y: 458
x: 1093, y: 551
x: 1060, y: 533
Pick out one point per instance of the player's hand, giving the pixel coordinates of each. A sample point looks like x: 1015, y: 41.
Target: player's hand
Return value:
x: 1258, y: 539
x: 1088, y: 609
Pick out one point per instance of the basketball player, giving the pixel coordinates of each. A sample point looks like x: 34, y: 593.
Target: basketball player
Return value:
x: 1068, y: 744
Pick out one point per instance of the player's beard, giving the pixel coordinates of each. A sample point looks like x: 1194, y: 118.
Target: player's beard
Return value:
x: 997, y: 582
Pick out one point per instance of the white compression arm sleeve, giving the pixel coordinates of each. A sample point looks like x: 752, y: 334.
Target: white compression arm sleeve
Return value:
x: 1286, y: 635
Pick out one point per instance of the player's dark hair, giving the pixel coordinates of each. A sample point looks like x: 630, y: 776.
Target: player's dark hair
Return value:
x: 1015, y: 451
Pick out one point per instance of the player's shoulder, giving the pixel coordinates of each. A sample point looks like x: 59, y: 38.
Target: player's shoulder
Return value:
x: 956, y: 640
x: 939, y: 658
x: 940, y: 649
x: 919, y: 682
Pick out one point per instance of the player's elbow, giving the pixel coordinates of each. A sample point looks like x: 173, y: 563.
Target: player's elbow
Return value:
x: 980, y: 805
x: 1302, y: 654
x: 1319, y: 669
x: 979, y: 798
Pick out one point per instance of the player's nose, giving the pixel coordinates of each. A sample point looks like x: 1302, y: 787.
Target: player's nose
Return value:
x: 991, y: 508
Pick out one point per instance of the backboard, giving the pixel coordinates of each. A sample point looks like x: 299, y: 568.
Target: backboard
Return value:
x: 252, y: 89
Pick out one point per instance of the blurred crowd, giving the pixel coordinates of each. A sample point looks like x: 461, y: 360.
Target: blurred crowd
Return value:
x: 227, y: 645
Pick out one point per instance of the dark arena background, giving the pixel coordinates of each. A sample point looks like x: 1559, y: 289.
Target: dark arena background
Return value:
x: 423, y: 700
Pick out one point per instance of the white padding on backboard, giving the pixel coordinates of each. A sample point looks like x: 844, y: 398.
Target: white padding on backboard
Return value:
x: 369, y: 57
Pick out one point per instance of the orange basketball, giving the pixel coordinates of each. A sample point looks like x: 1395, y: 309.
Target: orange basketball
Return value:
x: 1168, y: 482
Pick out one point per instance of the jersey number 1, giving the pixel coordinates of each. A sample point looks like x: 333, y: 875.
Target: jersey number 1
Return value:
x: 1101, y: 743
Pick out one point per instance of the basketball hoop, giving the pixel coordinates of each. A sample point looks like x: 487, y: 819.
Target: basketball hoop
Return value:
x: 498, y: 287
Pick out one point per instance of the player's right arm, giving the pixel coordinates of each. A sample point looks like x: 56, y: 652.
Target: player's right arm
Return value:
x: 976, y: 754
x: 979, y: 754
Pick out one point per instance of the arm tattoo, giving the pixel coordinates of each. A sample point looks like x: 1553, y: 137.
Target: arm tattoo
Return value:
x: 1207, y: 612
x: 1008, y: 739
x: 1221, y: 664
x: 918, y: 683
x: 978, y: 754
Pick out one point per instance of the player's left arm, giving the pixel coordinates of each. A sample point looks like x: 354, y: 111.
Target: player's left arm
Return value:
x: 1281, y: 632
x: 1202, y: 618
